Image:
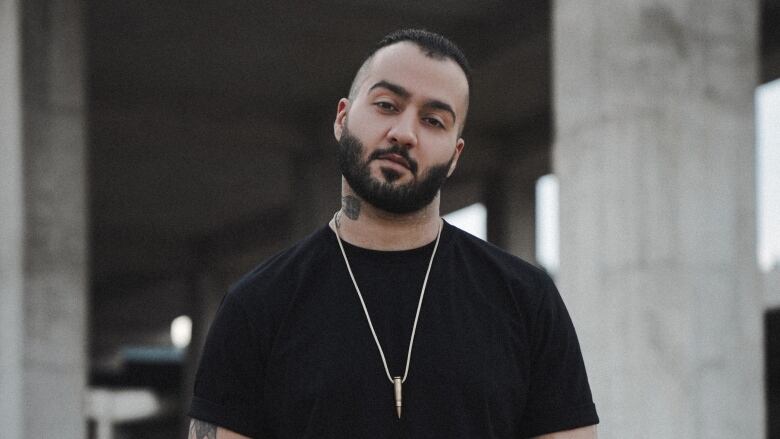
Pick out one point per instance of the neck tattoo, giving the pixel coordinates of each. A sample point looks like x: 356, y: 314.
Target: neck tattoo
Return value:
x: 351, y: 207
x: 398, y: 380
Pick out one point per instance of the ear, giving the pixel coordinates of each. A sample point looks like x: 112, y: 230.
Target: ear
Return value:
x: 458, y: 149
x: 341, y: 117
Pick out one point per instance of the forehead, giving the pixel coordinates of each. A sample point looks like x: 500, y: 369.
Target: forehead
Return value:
x: 405, y: 64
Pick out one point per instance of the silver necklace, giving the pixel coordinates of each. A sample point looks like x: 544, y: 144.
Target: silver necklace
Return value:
x: 396, y: 381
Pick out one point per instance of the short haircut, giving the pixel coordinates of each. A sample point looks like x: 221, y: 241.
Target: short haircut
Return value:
x: 434, y: 45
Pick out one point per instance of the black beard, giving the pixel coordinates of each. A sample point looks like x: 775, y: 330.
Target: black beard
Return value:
x: 384, y: 195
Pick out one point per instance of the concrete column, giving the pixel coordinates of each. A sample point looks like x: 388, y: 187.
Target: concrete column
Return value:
x: 11, y: 224
x: 521, y: 219
x: 43, y: 275
x: 655, y: 157
x: 511, y: 204
x: 510, y: 195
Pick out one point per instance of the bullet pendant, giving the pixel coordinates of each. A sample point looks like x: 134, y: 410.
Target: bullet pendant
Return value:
x: 397, y: 385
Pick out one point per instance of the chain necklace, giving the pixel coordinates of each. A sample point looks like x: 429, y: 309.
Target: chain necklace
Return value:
x: 396, y: 381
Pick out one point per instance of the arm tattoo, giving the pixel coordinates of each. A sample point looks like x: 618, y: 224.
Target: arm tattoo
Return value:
x: 351, y: 207
x: 202, y: 430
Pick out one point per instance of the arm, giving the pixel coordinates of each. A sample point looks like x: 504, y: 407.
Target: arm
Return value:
x: 227, y: 391
x: 559, y: 404
x: 203, y: 430
x: 588, y: 432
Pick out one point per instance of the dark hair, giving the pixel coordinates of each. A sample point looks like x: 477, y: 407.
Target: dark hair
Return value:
x: 434, y: 45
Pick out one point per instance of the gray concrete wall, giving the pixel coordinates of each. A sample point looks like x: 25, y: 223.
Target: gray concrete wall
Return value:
x: 11, y: 224
x: 43, y: 233
x: 655, y: 156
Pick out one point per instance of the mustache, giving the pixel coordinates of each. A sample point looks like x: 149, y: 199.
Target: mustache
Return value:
x: 395, y: 149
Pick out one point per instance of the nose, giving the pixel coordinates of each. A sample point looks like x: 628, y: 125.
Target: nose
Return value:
x: 403, y: 132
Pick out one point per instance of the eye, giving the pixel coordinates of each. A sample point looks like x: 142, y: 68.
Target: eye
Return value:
x: 433, y: 122
x: 386, y: 106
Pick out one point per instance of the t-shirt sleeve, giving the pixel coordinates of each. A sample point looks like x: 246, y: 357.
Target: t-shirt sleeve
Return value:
x: 559, y: 395
x: 228, y: 383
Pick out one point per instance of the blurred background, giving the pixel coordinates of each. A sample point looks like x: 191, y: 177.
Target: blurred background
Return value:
x: 152, y: 152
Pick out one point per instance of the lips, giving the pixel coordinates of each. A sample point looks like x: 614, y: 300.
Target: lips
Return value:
x: 395, y: 158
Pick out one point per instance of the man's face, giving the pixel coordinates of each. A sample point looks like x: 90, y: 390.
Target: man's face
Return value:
x: 383, y: 193
x: 404, y: 122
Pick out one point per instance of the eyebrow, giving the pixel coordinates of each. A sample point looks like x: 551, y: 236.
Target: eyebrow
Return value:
x: 439, y: 105
x: 405, y: 94
x: 395, y: 88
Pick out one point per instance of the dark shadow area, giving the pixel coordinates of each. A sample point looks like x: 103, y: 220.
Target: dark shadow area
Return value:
x: 772, y: 346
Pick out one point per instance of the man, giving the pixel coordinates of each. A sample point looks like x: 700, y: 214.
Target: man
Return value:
x: 332, y: 338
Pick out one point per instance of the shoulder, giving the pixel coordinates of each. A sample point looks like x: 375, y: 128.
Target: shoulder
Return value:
x: 283, y: 271
x: 527, y: 287
x: 495, y: 260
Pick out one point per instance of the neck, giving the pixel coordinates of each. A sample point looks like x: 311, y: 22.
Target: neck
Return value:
x: 364, y: 225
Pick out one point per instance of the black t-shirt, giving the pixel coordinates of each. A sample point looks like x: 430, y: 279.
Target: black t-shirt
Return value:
x: 290, y: 353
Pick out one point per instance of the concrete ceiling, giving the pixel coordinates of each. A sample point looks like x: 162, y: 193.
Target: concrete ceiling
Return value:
x: 199, y: 111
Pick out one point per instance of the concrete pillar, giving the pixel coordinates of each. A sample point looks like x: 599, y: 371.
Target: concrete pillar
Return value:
x: 511, y: 205
x: 655, y: 157
x: 43, y: 235
x: 11, y: 224
x: 510, y: 196
x: 521, y: 220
